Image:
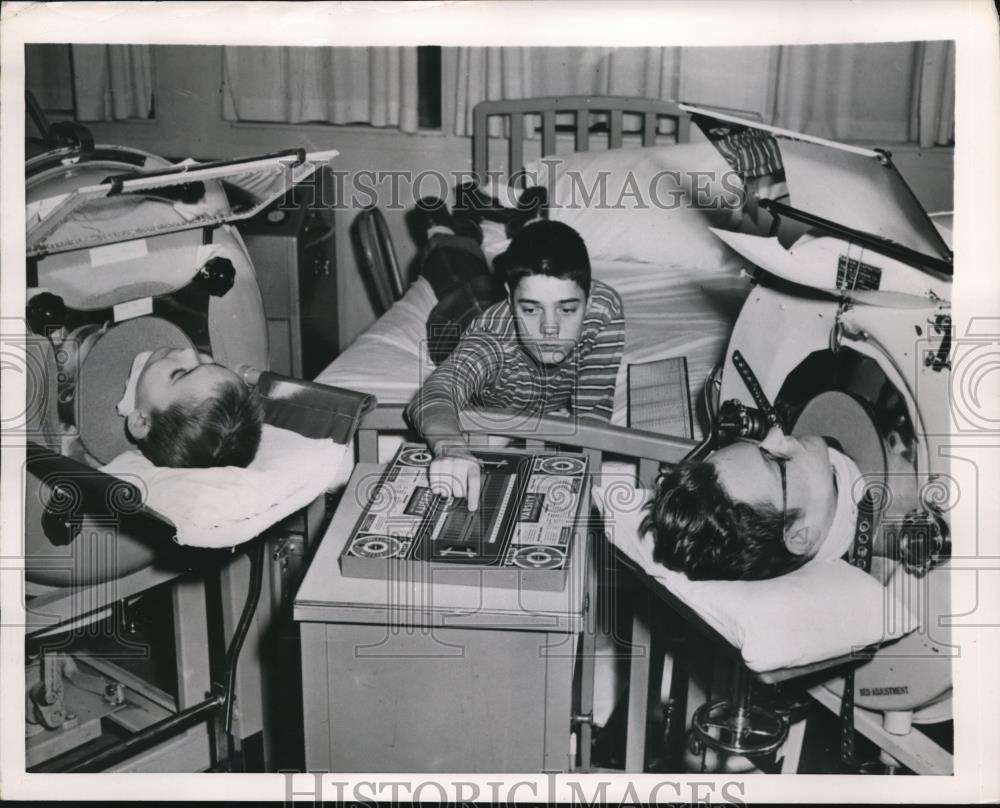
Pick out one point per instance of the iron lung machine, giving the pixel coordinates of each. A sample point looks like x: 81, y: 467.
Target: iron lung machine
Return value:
x: 119, y: 237
x: 847, y: 334
x: 837, y: 375
x: 126, y: 252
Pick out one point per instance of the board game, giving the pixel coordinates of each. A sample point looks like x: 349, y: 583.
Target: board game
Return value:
x: 522, y: 534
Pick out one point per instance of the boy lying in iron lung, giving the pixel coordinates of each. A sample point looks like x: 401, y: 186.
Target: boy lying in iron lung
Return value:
x: 755, y: 510
x: 181, y: 409
x: 186, y: 411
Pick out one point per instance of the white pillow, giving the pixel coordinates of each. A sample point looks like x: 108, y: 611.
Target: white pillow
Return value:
x: 822, y: 610
x: 225, y: 506
x: 652, y: 205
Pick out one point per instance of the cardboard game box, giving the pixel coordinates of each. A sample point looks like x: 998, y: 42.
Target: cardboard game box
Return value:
x: 522, y: 535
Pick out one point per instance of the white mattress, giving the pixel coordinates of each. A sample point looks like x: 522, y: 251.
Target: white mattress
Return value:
x: 670, y: 311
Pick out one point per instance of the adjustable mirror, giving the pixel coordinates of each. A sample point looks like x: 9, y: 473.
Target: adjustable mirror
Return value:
x: 138, y: 205
x: 805, y: 182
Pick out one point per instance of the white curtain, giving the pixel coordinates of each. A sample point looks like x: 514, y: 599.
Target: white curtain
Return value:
x: 113, y: 82
x: 886, y: 92
x: 739, y: 79
x: 493, y: 74
x: 933, y: 116
x: 376, y: 86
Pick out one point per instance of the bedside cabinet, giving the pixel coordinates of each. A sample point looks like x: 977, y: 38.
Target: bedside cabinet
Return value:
x: 432, y: 675
x: 292, y: 246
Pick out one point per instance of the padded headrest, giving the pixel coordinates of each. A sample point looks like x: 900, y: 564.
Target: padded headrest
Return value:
x: 103, y: 375
x: 847, y: 420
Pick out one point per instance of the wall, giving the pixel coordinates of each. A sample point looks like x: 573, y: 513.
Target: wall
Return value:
x: 189, y: 124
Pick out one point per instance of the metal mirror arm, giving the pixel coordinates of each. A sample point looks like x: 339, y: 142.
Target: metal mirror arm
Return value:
x: 872, y: 242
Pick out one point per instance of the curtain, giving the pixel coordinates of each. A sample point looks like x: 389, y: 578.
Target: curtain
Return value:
x: 113, y: 82
x: 376, y: 86
x: 739, y: 79
x: 492, y: 74
x: 933, y: 119
x: 887, y: 92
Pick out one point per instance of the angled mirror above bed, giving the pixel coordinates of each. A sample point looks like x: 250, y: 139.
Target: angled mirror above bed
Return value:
x: 810, y: 183
x: 140, y: 204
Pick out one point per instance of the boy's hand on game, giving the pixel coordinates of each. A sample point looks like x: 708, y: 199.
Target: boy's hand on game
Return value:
x: 455, y: 472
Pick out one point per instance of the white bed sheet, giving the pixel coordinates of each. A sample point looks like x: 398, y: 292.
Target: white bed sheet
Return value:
x: 388, y: 359
x: 670, y: 311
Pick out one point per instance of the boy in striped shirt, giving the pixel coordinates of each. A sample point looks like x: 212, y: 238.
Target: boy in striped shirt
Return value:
x: 554, y: 345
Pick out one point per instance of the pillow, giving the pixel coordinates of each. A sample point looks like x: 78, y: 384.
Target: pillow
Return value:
x: 822, y: 610
x: 225, y: 506
x: 652, y: 205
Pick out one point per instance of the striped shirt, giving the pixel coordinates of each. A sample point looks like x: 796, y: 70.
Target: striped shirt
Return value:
x: 751, y: 153
x: 490, y: 369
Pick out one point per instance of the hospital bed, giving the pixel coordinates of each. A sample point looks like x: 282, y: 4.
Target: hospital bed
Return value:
x: 127, y: 252
x: 686, y: 295
x: 680, y: 286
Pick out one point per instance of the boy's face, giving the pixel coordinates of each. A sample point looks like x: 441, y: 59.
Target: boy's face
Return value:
x: 749, y: 473
x: 174, y: 375
x: 549, y: 314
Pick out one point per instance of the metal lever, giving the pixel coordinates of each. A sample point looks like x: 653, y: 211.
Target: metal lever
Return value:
x: 47, y: 694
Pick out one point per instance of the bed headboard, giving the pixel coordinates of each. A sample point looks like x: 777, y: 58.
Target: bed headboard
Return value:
x: 584, y: 108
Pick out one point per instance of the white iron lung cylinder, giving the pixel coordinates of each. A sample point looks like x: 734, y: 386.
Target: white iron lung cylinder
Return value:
x: 112, y: 275
x: 913, y: 673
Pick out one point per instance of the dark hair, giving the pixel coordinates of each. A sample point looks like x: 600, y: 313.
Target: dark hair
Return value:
x: 222, y: 430
x: 546, y: 248
x: 701, y: 531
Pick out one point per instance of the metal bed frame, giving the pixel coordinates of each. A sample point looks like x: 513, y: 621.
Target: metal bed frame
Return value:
x: 583, y: 108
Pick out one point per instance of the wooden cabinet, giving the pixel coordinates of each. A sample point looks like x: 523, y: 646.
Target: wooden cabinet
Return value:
x: 427, y: 676
x: 292, y: 246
